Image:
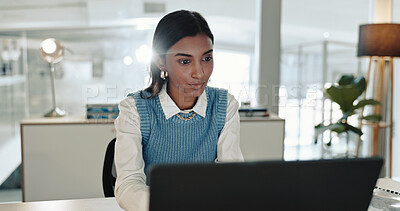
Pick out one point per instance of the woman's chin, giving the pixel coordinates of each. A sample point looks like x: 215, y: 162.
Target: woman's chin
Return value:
x: 194, y: 92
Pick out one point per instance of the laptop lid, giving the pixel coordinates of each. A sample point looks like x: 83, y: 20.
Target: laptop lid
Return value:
x: 339, y: 184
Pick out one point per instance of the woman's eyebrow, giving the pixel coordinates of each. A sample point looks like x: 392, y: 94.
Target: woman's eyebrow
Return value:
x: 183, y: 54
x: 188, y: 55
x: 209, y: 51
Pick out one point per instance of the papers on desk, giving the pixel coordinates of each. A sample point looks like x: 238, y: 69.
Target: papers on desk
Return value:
x: 102, y: 111
x: 386, y: 195
x: 388, y: 185
x: 247, y: 111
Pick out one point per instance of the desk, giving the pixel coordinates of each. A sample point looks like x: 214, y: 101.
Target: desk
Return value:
x: 96, y: 204
x: 380, y: 201
x: 62, y: 158
x: 261, y: 138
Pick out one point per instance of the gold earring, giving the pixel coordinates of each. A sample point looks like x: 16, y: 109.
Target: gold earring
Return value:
x: 163, y: 75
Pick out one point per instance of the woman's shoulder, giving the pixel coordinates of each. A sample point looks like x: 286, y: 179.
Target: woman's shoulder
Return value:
x: 138, y: 100
x: 231, y: 100
x: 139, y: 94
x: 222, y: 91
x: 215, y: 89
x: 133, y: 98
x: 214, y: 92
x: 128, y: 102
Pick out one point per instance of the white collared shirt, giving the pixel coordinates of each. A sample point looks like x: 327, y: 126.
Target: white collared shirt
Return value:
x: 171, y: 109
x: 131, y: 190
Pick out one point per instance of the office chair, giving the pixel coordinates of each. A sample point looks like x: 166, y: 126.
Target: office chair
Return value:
x: 109, y: 173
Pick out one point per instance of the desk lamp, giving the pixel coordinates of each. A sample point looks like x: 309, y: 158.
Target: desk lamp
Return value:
x: 52, y: 52
x: 381, y: 42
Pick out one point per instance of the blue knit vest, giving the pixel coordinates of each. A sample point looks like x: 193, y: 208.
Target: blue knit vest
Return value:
x: 175, y: 140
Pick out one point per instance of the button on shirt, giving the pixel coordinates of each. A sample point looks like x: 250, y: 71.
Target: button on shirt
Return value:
x: 131, y: 190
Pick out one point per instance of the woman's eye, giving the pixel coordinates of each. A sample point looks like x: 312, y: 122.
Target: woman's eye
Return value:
x: 184, y: 61
x: 208, y: 58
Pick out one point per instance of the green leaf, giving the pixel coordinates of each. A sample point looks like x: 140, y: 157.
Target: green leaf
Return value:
x: 372, y: 117
x: 320, y: 128
x: 360, y: 83
x: 344, y: 96
x: 339, y: 129
x: 366, y: 102
x: 346, y: 80
x: 336, y: 127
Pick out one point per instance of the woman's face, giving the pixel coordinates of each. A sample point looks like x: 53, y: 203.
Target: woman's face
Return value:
x: 189, y: 64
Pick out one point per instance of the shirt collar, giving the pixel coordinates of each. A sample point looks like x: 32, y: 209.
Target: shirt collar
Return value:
x: 170, y: 108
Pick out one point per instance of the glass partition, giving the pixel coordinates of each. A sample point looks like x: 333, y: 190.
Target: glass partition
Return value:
x: 107, y: 53
x: 305, y: 70
x: 13, y: 102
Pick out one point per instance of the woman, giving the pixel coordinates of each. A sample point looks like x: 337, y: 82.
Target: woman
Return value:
x: 178, y: 118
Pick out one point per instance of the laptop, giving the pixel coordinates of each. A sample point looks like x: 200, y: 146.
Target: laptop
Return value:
x: 337, y: 184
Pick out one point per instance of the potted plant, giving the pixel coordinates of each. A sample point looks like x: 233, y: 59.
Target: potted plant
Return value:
x: 345, y: 93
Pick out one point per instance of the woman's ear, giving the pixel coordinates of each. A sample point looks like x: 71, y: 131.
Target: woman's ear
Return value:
x: 160, y: 62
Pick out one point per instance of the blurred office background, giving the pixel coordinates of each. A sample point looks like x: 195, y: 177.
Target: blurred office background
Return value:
x: 108, y: 47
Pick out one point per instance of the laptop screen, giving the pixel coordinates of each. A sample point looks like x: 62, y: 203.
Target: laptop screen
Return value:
x: 338, y: 184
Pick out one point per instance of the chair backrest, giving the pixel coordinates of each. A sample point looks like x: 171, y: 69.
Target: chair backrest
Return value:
x: 109, y: 174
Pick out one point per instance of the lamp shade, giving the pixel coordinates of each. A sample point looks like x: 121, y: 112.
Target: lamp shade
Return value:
x: 51, y: 50
x: 379, y: 40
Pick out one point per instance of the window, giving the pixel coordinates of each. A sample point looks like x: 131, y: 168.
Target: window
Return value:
x: 232, y: 71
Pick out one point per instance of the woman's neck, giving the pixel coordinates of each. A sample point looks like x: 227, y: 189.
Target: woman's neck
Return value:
x: 183, y: 102
x: 186, y: 104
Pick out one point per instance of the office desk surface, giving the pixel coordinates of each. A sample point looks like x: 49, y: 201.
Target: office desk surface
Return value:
x: 381, y: 200
x: 96, y: 204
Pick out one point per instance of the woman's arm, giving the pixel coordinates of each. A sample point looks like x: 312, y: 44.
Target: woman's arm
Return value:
x: 131, y: 191
x: 228, y: 149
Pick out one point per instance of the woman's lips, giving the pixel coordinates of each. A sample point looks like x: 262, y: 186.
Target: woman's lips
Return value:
x: 196, y: 86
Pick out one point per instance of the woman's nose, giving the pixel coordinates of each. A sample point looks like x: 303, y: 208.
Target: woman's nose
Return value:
x: 197, y: 71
